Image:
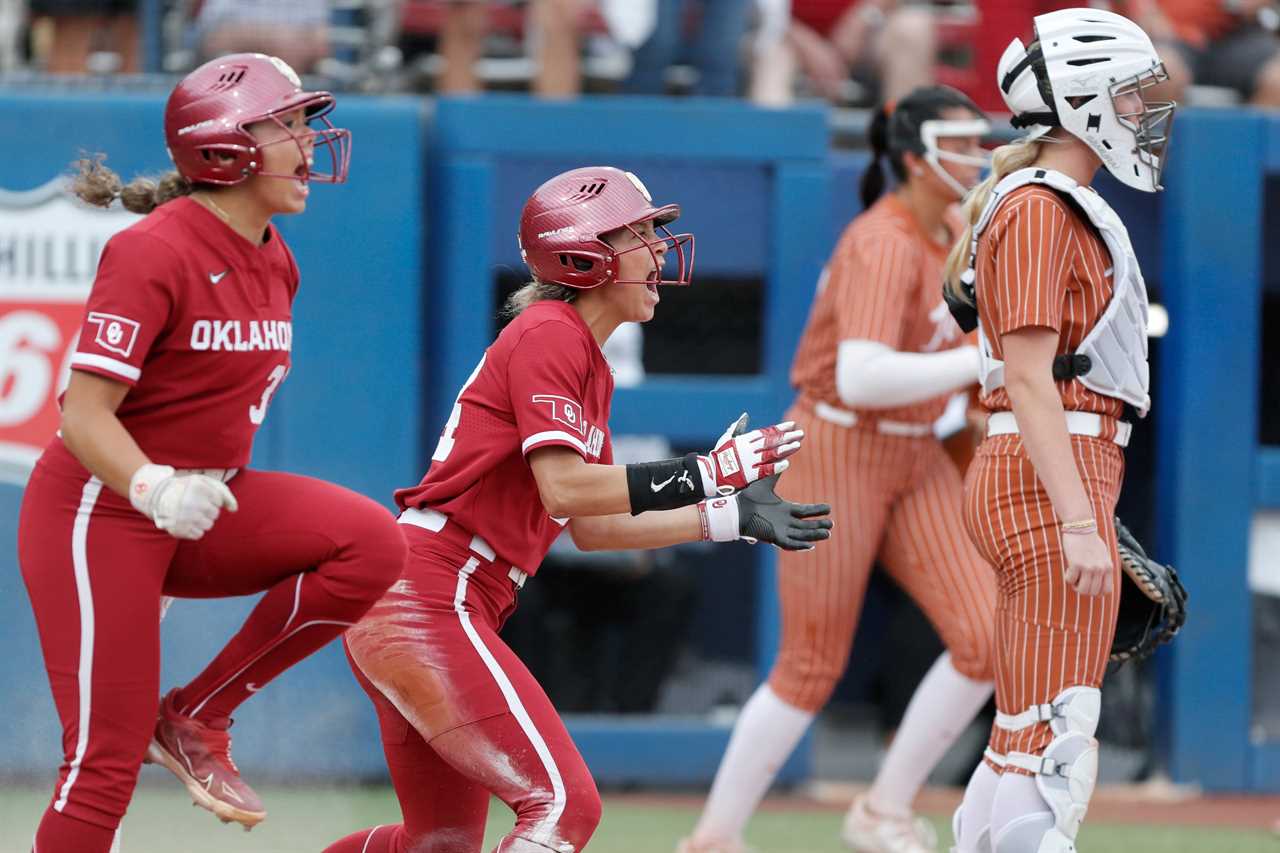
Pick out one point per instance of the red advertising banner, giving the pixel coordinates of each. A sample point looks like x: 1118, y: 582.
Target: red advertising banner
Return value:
x: 49, y: 249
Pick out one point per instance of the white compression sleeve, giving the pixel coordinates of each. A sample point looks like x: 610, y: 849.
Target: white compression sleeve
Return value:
x: 871, y: 375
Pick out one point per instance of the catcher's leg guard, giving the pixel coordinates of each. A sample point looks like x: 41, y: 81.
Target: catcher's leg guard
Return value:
x: 1065, y: 774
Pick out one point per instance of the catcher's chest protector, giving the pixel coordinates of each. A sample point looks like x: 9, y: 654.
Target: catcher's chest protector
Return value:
x: 1117, y: 344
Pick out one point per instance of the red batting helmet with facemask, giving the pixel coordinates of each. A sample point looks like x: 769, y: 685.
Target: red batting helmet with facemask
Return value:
x: 562, y: 225
x: 208, y: 112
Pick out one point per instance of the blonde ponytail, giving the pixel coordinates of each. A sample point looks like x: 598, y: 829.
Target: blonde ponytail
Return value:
x: 1006, y: 160
x: 535, y: 291
x: 98, y: 185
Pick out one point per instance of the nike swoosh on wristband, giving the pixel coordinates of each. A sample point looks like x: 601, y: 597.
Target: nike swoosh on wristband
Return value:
x: 657, y: 487
x: 215, y: 278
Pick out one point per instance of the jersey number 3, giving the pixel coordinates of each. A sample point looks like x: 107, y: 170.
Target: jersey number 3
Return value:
x: 445, y: 446
x: 258, y: 412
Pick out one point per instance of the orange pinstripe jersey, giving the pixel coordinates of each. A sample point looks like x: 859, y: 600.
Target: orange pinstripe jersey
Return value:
x: 1040, y: 263
x: 882, y: 283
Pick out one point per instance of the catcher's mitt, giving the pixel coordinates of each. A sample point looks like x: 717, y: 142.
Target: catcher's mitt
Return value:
x: 1153, y: 604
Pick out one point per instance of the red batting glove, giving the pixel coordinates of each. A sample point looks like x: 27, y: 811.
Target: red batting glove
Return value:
x: 740, y: 458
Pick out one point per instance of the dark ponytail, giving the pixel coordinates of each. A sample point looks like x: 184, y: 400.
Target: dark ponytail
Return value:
x: 878, y: 138
x: 895, y: 130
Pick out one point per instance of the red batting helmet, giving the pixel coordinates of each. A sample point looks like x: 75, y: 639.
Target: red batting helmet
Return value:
x: 562, y: 224
x: 208, y: 111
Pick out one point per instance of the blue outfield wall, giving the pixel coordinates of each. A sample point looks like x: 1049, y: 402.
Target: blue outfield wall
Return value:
x: 397, y: 305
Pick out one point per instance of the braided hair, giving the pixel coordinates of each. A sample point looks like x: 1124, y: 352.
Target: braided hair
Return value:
x: 895, y: 130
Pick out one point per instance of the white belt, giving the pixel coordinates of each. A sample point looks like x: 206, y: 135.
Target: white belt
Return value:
x: 845, y: 418
x: 430, y: 519
x: 223, y: 474
x: 1078, y: 423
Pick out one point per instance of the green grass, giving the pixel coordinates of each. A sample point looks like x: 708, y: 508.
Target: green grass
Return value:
x: 161, y: 820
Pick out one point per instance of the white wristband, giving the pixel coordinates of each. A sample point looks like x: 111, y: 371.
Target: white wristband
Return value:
x: 720, y: 519
x: 142, y: 486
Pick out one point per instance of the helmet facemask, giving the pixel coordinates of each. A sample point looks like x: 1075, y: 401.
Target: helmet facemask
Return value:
x: 1151, y: 123
x: 674, y: 242
x: 335, y: 142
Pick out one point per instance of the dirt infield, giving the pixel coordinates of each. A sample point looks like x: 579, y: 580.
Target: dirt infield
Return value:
x: 1154, y: 803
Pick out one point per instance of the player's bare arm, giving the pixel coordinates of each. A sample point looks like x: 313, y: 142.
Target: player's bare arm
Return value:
x: 570, y: 487
x: 1038, y: 409
x: 94, y: 434
x: 625, y: 531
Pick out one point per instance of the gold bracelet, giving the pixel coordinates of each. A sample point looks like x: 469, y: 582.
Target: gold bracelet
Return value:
x: 1085, y: 525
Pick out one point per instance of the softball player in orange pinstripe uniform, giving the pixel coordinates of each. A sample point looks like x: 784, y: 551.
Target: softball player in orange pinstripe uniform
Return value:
x: 1061, y: 311
x: 877, y: 363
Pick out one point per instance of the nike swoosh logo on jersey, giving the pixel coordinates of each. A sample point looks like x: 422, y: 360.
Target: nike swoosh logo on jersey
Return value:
x: 657, y: 487
x: 215, y: 278
x: 252, y: 688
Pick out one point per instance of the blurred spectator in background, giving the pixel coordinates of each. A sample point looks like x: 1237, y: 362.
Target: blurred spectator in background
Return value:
x: 13, y: 15
x: 466, y: 24
x: 1226, y: 43
x: 75, y: 36
x: 294, y: 30
x: 707, y: 33
x: 889, y: 45
x: 552, y: 28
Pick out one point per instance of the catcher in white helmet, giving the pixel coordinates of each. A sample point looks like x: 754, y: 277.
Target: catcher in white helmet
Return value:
x: 1048, y: 276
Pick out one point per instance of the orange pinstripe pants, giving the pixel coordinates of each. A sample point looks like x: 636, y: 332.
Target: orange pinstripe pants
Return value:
x: 892, y: 497
x: 1048, y: 637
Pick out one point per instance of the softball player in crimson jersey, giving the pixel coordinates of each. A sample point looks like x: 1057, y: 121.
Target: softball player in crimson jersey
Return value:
x: 525, y: 453
x: 1047, y: 274
x: 144, y: 493
x: 875, y: 368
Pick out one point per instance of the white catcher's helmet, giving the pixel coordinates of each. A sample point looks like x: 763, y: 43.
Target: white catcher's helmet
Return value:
x: 1082, y: 62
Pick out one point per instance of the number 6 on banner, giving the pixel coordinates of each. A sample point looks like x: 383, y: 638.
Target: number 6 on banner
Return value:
x: 258, y: 413
x: 26, y: 376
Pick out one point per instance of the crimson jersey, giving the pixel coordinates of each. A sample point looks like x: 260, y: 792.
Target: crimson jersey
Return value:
x: 197, y: 320
x: 542, y: 383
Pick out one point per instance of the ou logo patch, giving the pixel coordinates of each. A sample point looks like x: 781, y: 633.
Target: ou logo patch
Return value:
x: 114, y: 333
x: 564, y: 410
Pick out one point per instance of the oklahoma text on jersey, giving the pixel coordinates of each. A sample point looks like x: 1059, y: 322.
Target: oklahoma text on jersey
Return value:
x: 241, y: 336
